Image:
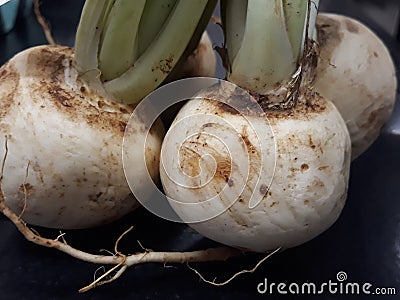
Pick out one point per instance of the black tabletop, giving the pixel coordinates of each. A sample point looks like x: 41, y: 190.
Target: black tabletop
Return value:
x: 364, y: 243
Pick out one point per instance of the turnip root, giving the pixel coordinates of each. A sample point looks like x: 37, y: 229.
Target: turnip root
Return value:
x: 355, y: 71
x: 274, y: 173
x: 64, y: 144
x: 309, y: 183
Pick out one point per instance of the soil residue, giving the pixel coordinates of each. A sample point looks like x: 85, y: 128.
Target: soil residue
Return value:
x: 77, y: 104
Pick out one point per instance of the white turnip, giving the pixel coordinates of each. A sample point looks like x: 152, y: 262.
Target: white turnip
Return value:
x: 260, y: 179
x: 355, y: 72
x: 64, y: 143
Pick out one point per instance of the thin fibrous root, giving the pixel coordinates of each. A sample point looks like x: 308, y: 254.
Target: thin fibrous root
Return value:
x: 99, y: 281
x: 120, y: 261
x: 146, y: 250
x: 25, y: 191
x: 61, y: 236
x: 97, y: 270
x: 43, y: 23
x: 236, y: 274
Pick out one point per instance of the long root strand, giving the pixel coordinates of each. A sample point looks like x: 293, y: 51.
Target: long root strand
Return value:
x: 236, y: 274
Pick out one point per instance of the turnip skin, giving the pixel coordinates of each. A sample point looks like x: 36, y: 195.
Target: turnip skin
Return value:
x: 309, y: 186
x: 356, y: 72
x: 68, y: 142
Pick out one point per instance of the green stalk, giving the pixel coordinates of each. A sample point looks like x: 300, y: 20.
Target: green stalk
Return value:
x: 108, y: 9
x: 88, y: 34
x: 163, y: 54
x: 194, y: 42
x: 154, y: 16
x: 118, y: 49
x: 295, y: 14
x: 234, y: 21
x: 135, y: 44
x: 266, y: 55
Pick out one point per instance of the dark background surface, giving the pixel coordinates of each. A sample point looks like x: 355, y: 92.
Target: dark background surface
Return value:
x: 364, y: 243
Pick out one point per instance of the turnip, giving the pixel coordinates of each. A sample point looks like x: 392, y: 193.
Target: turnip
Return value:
x: 64, y: 142
x: 268, y: 171
x: 64, y: 111
x: 355, y: 71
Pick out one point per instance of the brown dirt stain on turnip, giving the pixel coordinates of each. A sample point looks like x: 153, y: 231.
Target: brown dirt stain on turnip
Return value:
x: 77, y: 105
x: 165, y: 65
x: 238, y: 102
x: 274, y: 203
x: 26, y: 188
x: 329, y: 37
x: 190, y: 156
x: 264, y: 190
x: 304, y: 167
x: 351, y: 26
x: 253, y: 154
x: 328, y: 30
x: 9, y: 83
